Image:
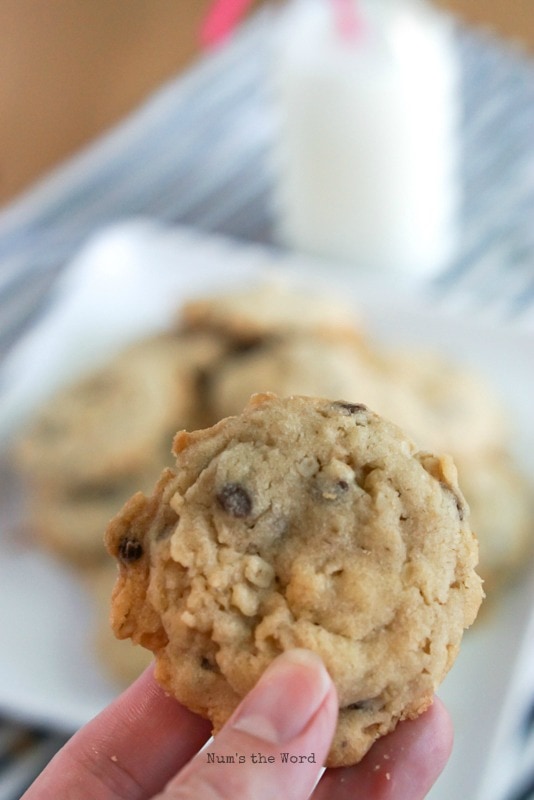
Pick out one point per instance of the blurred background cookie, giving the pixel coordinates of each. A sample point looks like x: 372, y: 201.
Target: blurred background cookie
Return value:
x: 116, y: 420
x: 124, y: 661
x: 298, y: 363
x: 108, y: 435
x: 502, y: 514
x: 270, y: 308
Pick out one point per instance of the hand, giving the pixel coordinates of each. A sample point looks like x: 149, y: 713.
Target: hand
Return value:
x: 143, y: 746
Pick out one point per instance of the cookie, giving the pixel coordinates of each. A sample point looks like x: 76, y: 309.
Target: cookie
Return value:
x: 500, y: 498
x: 122, y: 661
x: 300, y: 523
x: 444, y: 407
x: 69, y: 521
x: 270, y: 308
x: 120, y: 419
x: 108, y: 436
x: 303, y: 363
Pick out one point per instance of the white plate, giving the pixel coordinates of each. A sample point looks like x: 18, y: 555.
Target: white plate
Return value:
x: 48, y: 671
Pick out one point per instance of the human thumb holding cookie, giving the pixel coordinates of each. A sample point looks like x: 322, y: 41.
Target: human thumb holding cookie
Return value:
x: 143, y: 746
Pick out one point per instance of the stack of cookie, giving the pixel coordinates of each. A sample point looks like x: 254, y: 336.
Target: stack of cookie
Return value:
x: 99, y: 441
x: 108, y: 435
x: 111, y: 434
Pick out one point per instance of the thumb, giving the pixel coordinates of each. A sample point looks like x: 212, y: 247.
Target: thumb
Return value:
x: 275, y: 742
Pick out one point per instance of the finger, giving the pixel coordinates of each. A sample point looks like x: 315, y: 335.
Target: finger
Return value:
x: 401, y: 766
x: 274, y: 744
x: 130, y: 750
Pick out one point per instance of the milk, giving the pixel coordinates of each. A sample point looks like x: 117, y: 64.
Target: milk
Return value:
x: 368, y: 149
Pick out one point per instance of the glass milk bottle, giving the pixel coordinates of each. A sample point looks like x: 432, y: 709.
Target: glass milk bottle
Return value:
x: 366, y: 93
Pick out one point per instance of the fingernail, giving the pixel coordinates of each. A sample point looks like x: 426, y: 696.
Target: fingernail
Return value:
x: 285, y: 698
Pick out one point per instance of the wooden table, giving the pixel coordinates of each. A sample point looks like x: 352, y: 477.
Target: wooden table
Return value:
x: 512, y: 19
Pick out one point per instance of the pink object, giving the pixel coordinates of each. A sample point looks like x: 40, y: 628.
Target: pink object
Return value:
x: 221, y: 20
x: 348, y: 20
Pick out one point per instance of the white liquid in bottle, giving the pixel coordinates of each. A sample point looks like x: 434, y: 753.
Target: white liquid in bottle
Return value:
x: 367, y: 154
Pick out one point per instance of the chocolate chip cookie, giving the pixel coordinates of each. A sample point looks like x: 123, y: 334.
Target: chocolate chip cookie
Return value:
x: 502, y: 513
x: 300, y: 523
x: 108, y: 435
x: 271, y: 308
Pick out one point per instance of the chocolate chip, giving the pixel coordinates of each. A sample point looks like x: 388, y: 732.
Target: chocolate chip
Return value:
x: 235, y: 500
x: 130, y: 549
x: 206, y: 664
x: 349, y: 408
x: 245, y: 346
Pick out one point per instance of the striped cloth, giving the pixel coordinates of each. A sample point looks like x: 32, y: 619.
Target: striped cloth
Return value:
x: 198, y: 153
x: 23, y: 754
x: 494, y: 268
